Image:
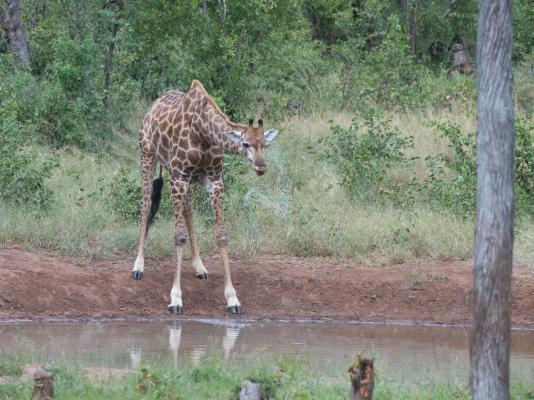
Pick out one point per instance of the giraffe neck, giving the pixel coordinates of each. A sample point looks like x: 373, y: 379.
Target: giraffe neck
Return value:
x: 216, y: 124
x: 229, y: 146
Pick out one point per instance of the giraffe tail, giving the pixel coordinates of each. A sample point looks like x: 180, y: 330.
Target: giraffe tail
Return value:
x: 155, y: 197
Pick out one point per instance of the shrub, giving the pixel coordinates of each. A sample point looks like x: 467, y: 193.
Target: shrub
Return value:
x: 48, y: 109
x: 443, y: 92
x: 452, y: 176
x: 22, y: 174
x: 364, y: 153
x: 524, y: 164
x: 524, y: 84
x: 124, y: 195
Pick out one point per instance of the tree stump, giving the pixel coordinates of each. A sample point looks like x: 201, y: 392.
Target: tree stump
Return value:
x: 460, y: 62
x: 362, y: 379
x: 249, y: 391
x: 43, y: 386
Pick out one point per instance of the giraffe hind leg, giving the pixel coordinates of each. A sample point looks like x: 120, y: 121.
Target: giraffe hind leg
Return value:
x: 200, y: 271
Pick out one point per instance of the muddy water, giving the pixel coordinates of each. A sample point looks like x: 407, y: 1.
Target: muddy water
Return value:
x: 416, y: 353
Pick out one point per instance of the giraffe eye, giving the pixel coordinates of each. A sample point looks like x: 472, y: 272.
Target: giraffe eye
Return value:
x: 246, y: 145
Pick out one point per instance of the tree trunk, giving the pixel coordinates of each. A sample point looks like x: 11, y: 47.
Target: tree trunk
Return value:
x: 109, y: 57
x: 35, y: 14
x: 222, y: 6
x: 411, y: 8
x: 490, y: 340
x: 11, y: 22
x: 205, y: 8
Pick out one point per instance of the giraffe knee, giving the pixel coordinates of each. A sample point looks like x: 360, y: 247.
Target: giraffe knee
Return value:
x: 180, y: 238
x: 221, y: 241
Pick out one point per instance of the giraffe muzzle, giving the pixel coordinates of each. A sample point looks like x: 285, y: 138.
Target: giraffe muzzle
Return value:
x: 260, y: 170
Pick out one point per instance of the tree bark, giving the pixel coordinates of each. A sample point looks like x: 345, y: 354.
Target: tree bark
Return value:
x: 109, y: 56
x: 222, y: 6
x: 11, y: 22
x: 412, y: 26
x: 35, y: 14
x: 490, y: 340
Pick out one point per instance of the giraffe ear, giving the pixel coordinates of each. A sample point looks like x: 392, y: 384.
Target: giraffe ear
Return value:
x: 234, y: 136
x: 270, y: 135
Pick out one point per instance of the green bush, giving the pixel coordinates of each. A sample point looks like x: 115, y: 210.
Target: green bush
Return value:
x: 48, y: 110
x: 124, y: 195
x: 452, y: 176
x: 524, y: 84
x: 22, y: 173
x: 443, y: 92
x: 386, y: 75
x: 365, y: 153
x: 524, y: 164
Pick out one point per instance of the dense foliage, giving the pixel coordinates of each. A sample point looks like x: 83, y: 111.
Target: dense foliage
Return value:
x: 452, y: 176
x: 95, y: 65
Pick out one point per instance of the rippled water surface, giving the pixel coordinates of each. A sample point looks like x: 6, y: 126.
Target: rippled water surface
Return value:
x: 417, y: 353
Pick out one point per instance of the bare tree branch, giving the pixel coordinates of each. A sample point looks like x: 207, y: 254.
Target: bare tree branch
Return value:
x: 449, y: 10
x: 111, y: 48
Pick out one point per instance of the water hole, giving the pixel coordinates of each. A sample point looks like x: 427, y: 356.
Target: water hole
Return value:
x: 419, y: 354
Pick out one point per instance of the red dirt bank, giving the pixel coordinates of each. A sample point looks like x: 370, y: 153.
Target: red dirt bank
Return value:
x: 39, y: 286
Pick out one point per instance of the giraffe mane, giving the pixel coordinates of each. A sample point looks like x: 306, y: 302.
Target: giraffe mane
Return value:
x: 196, y: 85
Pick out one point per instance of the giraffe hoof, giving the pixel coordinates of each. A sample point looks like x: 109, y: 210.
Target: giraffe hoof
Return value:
x: 202, y: 276
x: 233, y: 309
x: 178, y: 310
x: 137, y: 275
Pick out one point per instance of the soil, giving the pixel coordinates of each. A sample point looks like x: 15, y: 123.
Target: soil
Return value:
x: 39, y: 286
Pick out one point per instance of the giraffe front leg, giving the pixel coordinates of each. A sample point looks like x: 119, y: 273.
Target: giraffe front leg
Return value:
x: 216, y: 190
x: 200, y: 271
x: 178, y: 191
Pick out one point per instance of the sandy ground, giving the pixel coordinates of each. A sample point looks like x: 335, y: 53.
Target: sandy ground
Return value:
x: 36, y: 286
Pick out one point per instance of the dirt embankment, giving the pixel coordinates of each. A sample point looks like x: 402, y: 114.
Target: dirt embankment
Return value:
x: 34, y: 285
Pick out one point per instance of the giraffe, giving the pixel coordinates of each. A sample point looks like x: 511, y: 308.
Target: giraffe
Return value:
x: 188, y: 134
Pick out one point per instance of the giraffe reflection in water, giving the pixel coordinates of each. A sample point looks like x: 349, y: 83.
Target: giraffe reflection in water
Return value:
x: 196, y: 352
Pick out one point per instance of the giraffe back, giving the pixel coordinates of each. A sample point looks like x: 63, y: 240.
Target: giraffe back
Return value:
x: 171, y: 133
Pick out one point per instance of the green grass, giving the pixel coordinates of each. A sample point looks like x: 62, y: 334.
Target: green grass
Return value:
x: 12, y: 364
x: 287, y: 378
x: 297, y: 208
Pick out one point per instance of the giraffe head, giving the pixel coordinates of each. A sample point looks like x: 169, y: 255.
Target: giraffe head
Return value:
x: 252, y: 141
